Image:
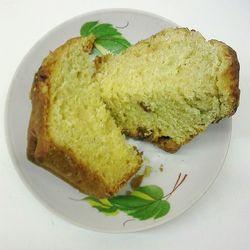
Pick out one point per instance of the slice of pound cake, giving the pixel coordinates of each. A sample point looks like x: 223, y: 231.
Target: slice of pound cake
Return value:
x: 70, y: 132
x: 170, y: 87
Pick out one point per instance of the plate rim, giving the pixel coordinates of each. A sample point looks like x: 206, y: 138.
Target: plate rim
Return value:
x: 14, y: 159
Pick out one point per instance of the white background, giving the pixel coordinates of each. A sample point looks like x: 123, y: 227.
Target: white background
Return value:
x: 220, y: 220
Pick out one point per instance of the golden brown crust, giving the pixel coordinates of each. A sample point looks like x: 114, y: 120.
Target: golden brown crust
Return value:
x: 168, y: 145
x: 233, y: 75
x: 230, y: 76
x: 164, y: 143
x: 44, y: 152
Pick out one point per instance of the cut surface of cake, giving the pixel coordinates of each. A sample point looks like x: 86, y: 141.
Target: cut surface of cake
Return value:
x: 170, y: 87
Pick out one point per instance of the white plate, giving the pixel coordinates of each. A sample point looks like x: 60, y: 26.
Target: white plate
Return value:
x: 201, y: 159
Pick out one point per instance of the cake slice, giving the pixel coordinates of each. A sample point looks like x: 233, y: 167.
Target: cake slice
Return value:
x: 170, y: 87
x: 71, y: 133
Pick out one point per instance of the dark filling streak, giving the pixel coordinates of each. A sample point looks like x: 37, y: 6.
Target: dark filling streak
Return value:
x: 145, y: 107
x: 143, y: 132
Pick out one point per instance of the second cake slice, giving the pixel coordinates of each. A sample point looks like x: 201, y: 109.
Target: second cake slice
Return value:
x: 170, y: 87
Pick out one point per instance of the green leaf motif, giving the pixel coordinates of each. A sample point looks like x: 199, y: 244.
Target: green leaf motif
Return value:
x: 107, y: 38
x: 127, y: 202
x: 111, y: 45
x: 143, y: 203
x: 141, y: 195
x: 151, y: 211
x: 102, y: 205
x: 104, y: 29
x: 146, y: 202
x: 163, y: 210
x: 152, y: 190
x: 87, y: 27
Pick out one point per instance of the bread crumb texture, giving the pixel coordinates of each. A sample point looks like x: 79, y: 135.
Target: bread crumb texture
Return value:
x: 171, y: 86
